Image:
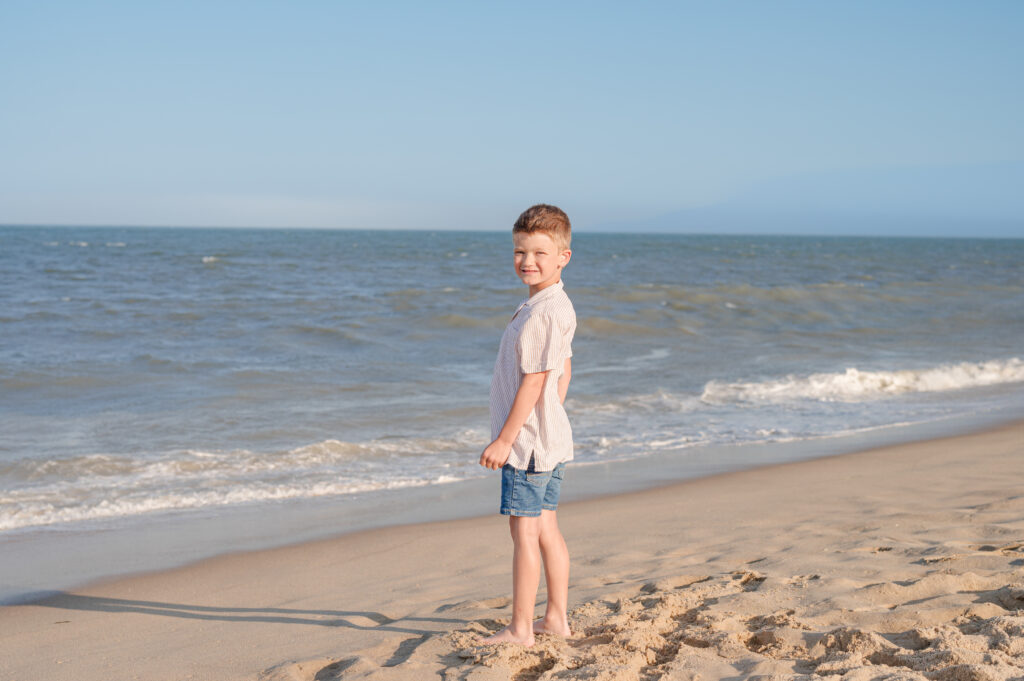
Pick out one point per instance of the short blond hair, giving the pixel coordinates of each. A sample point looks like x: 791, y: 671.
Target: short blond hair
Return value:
x: 550, y: 220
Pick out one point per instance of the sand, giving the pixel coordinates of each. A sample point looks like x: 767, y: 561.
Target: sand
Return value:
x: 904, y: 562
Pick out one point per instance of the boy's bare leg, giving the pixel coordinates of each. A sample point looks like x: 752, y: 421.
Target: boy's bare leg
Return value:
x: 525, y: 580
x: 556, y: 574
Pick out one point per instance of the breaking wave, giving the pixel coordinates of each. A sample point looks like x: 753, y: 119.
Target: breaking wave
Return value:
x: 103, y: 486
x: 855, y: 385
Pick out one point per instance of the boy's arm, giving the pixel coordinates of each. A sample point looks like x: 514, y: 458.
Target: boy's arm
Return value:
x: 497, y: 453
x: 563, y: 380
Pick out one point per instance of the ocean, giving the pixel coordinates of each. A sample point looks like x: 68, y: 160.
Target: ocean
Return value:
x: 154, y: 371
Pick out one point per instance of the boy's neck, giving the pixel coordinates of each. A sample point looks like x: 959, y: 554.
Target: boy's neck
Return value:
x: 534, y: 290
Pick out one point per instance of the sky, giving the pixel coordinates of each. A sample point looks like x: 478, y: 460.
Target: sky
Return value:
x: 834, y: 117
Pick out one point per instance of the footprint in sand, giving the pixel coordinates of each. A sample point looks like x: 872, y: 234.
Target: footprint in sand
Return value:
x: 749, y: 579
x: 488, y: 604
x: 801, y: 580
x: 680, y: 582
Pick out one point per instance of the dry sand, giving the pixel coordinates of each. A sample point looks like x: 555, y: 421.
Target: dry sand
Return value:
x: 904, y: 562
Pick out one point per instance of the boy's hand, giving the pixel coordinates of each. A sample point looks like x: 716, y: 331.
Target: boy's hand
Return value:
x: 527, y: 395
x: 495, y: 455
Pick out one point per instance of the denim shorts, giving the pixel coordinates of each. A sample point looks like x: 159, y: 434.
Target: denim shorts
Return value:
x: 526, y: 493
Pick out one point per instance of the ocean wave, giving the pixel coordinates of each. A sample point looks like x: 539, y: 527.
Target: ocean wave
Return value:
x: 657, y: 401
x: 690, y: 297
x: 458, y: 321
x: 602, y: 326
x: 103, y: 486
x: 326, y: 333
x: 38, y: 380
x: 405, y: 293
x: 855, y: 385
x: 17, y: 515
x: 176, y: 467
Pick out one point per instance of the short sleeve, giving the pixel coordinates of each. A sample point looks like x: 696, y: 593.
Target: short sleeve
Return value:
x: 540, y: 345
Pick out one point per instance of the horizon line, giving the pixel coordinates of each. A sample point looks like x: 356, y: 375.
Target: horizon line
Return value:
x: 642, y: 232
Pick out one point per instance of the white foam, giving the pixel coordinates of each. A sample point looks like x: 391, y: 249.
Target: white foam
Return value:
x: 210, y: 258
x: 628, y: 363
x: 855, y: 385
x: 657, y: 401
x: 653, y: 356
x: 39, y: 513
x: 105, y: 486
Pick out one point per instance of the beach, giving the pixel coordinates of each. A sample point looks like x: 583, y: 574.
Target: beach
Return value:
x: 243, y: 454
x: 904, y: 561
x: 265, y: 301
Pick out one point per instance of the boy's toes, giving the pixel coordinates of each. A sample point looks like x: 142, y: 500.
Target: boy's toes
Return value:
x: 507, y: 636
x: 542, y: 627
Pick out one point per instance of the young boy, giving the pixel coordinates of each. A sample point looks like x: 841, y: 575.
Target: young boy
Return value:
x: 531, y: 436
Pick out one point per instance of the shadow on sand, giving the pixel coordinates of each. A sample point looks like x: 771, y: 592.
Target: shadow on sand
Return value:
x: 324, y: 618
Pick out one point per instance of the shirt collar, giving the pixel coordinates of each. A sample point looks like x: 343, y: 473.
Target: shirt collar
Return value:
x: 544, y: 294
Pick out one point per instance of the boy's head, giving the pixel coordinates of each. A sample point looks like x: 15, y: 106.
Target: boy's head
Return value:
x: 545, y: 219
x: 541, y: 239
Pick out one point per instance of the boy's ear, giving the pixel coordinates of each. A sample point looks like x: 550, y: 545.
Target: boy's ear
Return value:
x: 565, y: 256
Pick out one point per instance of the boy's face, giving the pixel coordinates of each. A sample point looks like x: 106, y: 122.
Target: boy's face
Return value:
x: 538, y: 260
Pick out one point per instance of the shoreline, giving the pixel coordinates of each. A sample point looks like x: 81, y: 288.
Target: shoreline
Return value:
x: 169, y: 541
x: 868, y: 540
x: 144, y: 545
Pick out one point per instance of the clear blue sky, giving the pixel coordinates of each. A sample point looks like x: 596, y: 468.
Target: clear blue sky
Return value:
x: 461, y: 114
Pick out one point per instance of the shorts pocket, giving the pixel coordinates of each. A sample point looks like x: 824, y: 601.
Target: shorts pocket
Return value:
x: 538, y: 479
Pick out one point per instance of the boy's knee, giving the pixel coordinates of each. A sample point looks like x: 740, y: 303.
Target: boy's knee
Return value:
x: 523, y: 527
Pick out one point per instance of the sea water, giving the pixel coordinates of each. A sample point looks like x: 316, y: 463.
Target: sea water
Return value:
x: 151, y: 371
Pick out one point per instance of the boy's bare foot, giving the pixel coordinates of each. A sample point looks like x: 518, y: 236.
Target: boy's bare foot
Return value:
x: 546, y: 626
x: 507, y: 636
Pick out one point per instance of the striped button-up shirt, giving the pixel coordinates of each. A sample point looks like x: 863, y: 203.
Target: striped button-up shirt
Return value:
x: 539, y: 338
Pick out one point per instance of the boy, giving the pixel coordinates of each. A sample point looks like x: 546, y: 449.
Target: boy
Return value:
x: 531, y: 436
